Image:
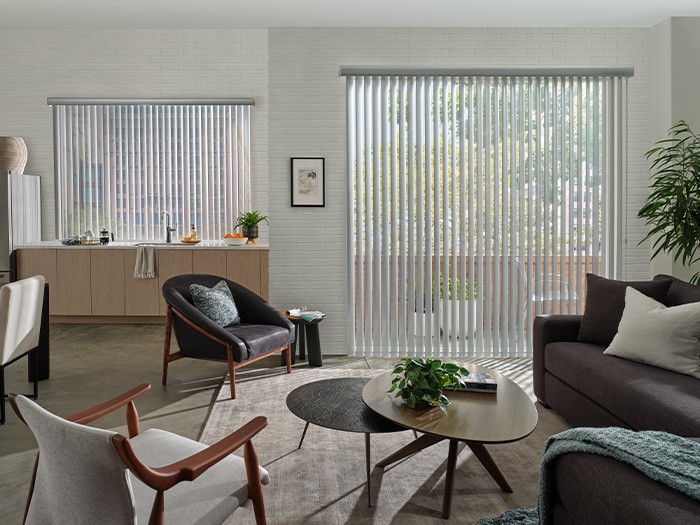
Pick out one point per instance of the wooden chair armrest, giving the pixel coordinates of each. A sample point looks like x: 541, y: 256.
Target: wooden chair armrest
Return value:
x: 91, y: 414
x: 207, y: 330
x: 191, y: 467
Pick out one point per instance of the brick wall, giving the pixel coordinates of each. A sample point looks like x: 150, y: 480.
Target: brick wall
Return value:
x: 307, y: 118
x: 300, y: 111
x: 38, y: 64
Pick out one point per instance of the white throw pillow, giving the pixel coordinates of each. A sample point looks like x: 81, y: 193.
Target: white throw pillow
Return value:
x: 653, y: 333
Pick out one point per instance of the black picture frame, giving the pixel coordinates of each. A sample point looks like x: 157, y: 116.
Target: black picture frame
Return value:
x: 308, y: 182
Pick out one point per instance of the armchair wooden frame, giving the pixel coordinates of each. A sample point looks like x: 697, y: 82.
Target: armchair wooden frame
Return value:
x: 163, y: 478
x: 232, y: 364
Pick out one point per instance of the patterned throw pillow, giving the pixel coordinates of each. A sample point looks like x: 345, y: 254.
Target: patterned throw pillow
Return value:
x: 216, y: 303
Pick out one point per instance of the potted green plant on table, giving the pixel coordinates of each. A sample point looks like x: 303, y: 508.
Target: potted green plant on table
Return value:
x: 420, y: 381
x: 249, y: 224
x: 672, y: 209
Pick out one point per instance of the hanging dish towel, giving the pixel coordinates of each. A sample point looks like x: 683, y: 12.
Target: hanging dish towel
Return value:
x: 145, y: 262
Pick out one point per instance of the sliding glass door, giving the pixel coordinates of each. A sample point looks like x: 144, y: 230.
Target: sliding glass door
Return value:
x: 476, y: 203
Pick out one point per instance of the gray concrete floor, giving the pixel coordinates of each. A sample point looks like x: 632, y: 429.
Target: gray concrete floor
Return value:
x: 92, y: 363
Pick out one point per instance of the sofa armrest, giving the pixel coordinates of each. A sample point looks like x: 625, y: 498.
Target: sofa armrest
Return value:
x: 600, y: 489
x: 548, y: 329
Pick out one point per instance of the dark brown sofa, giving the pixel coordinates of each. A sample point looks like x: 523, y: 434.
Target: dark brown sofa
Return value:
x: 589, y: 388
x: 594, y: 490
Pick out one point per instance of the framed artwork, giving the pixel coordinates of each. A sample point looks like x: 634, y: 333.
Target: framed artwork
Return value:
x: 308, y: 181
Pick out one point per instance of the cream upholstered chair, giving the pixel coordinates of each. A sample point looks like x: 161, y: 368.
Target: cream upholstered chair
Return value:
x: 90, y: 475
x: 21, y: 303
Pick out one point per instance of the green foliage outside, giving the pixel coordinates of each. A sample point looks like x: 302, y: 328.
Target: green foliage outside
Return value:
x: 512, y: 153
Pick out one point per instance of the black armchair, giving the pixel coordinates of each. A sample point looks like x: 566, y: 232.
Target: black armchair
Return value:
x: 263, y: 330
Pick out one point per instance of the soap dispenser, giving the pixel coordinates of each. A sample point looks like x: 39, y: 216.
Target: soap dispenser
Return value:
x: 193, y: 233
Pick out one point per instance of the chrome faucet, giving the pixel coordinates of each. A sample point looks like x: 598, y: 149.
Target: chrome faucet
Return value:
x: 168, y: 229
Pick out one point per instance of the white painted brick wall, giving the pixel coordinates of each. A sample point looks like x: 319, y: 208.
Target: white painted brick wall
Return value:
x: 307, y: 118
x: 38, y: 64
x: 300, y: 111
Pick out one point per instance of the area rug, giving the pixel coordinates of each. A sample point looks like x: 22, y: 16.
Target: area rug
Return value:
x: 324, y: 481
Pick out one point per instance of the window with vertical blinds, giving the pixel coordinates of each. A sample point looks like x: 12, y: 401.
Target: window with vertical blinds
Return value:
x: 120, y: 165
x: 477, y: 202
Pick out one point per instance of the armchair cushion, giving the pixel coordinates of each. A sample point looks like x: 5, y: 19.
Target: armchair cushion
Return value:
x: 211, y: 498
x: 216, y: 303
x: 259, y: 339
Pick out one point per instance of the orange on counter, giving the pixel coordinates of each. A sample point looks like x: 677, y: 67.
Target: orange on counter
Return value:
x: 238, y: 236
x: 228, y: 236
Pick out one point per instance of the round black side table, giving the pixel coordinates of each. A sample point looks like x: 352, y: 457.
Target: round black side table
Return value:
x: 308, y: 339
x: 337, y: 404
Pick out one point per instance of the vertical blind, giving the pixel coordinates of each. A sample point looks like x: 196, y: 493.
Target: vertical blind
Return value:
x: 119, y: 166
x: 476, y: 203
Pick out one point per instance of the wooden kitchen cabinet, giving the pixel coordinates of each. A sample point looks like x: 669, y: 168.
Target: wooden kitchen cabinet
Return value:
x: 72, y: 290
x: 169, y: 264
x: 107, y: 282
x: 39, y: 262
x: 98, y: 284
x: 212, y: 262
x: 243, y: 267
x: 141, y: 296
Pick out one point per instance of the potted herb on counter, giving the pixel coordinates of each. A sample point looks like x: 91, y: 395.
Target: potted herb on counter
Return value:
x: 249, y: 224
x: 420, y: 381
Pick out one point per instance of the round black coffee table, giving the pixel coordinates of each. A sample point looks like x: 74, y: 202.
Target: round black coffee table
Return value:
x: 337, y: 404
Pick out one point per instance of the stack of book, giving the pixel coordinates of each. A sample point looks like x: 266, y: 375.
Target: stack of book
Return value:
x: 478, y: 382
x: 306, y: 315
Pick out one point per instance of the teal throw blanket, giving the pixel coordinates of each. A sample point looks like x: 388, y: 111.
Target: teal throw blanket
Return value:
x: 666, y: 458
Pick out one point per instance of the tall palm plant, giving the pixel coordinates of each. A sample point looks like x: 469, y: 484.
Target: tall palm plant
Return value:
x: 673, y: 206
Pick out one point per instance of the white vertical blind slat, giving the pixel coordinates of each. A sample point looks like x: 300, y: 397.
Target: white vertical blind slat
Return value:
x: 394, y: 289
x: 387, y: 218
x: 367, y: 222
x: 471, y: 241
x: 351, y: 122
x: 402, y: 218
x: 412, y: 308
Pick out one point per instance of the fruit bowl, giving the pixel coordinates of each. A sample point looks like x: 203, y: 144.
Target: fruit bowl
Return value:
x: 235, y: 241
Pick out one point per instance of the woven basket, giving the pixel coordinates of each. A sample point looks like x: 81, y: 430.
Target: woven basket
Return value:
x: 13, y: 154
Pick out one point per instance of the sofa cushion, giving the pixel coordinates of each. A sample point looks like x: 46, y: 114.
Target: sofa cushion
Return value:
x: 680, y: 292
x: 643, y: 396
x: 653, y: 333
x: 605, y: 302
x: 260, y: 339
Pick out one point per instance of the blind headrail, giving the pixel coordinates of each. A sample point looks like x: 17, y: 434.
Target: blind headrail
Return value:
x: 67, y: 101
x: 582, y: 71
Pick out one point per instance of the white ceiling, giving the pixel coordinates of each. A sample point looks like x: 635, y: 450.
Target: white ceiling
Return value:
x: 214, y: 14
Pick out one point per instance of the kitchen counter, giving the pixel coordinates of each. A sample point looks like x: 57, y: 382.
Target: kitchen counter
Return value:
x: 159, y: 245
x: 96, y: 284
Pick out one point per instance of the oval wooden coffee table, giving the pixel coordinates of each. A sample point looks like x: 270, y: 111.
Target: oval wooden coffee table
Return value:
x: 473, y: 417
